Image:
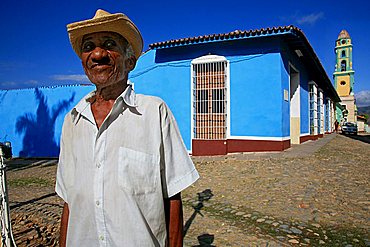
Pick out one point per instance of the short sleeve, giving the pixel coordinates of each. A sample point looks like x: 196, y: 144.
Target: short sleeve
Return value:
x: 178, y: 170
x: 63, y: 176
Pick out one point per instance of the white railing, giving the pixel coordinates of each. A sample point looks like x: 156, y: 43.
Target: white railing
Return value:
x: 7, y: 239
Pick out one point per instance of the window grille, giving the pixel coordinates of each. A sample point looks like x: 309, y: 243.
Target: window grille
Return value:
x: 209, y: 100
x: 313, y: 109
x: 327, y: 115
x: 318, y: 113
x: 320, y: 102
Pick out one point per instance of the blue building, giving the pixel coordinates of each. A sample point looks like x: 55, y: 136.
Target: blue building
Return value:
x: 257, y: 90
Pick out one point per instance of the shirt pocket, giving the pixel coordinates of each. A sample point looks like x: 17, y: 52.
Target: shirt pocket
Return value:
x: 137, y: 171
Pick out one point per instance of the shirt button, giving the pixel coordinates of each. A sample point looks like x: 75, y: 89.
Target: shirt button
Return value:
x: 97, y: 203
x: 98, y: 165
x: 101, y: 237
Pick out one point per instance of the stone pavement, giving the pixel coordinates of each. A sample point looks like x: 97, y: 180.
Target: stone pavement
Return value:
x: 314, y: 194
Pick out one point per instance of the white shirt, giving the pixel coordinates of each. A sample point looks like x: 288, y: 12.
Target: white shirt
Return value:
x: 115, y: 178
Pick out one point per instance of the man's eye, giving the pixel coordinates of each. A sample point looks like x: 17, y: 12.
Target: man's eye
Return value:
x: 88, y: 46
x: 109, y: 44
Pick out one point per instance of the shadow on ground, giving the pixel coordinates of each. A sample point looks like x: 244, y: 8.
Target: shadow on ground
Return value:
x: 362, y: 137
x: 20, y: 204
x: 205, y: 240
x: 21, y: 164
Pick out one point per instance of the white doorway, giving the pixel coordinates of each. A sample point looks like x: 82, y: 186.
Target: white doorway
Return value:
x: 295, y: 106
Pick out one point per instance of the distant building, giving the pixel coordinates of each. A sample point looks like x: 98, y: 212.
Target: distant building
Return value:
x: 344, y: 77
x: 361, y: 123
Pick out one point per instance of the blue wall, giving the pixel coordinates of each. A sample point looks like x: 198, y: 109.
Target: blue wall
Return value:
x: 31, y: 119
x: 256, y: 95
x: 289, y: 56
x: 169, y: 81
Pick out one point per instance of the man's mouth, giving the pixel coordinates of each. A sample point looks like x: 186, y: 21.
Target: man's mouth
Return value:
x: 100, y: 66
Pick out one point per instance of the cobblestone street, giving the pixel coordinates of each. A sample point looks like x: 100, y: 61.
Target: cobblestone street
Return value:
x: 314, y: 194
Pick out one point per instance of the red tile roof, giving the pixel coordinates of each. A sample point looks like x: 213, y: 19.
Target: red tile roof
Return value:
x: 292, y: 35
x: 237, y: 34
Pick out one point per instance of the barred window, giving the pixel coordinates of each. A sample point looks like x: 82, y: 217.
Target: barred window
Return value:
x: 313, y: 109
x: 209, y: 76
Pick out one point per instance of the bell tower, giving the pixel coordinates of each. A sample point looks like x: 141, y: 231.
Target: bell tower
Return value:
x: 344, y: 75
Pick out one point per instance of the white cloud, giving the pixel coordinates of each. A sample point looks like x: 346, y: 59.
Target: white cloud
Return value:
x: 32, y: 82
x: 310, y: 19
x: 16, y: 85
x: 78, y: 78
x: 363, y: 98
x: 8, y: 84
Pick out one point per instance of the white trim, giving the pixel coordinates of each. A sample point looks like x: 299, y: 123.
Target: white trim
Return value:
x: 208, y: 59
x: 228, y: 100
x: 260, y: 138
x: 294, y: 102
x: 314, y: 108
x: 322, y: 115
x: 214, y: 61
x: 305, y: 134
x: 313, y: 82
x: 191, y: 107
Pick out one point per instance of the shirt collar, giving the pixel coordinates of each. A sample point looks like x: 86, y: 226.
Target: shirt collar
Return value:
x: 82, y: 108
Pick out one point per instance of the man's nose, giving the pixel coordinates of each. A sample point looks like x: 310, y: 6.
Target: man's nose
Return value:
x: 99, y: 54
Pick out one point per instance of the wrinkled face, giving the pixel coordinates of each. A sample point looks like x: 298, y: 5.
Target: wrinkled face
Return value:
x: 104, y: 59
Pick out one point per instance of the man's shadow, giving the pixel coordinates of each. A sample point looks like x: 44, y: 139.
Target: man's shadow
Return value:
x: 205, y: 240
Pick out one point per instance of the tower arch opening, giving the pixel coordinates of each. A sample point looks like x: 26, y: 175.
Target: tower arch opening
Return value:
x: 343, y: 65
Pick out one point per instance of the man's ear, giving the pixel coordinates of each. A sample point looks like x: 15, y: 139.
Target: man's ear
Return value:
x: 131, y: 63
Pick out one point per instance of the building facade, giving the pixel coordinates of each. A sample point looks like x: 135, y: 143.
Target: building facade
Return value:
x: 243, y: 91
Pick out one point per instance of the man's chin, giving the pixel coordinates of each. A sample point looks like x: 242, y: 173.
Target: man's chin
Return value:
x: 100, y: 80
x: 104, y: 82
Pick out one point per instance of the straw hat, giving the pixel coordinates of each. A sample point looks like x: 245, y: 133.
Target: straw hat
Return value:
x: 106, y: 22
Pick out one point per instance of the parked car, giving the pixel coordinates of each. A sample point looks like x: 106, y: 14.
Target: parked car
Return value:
x: 349, y: 128
x: 7, y: 149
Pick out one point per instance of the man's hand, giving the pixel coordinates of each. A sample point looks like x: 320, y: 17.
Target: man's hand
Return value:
x: 174, y: 220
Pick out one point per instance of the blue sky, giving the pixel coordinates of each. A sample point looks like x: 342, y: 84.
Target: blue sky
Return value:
x: 35, y: 49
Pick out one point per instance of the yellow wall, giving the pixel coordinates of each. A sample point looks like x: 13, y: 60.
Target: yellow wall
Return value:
x: 295, y: 130
x: 343, y: 90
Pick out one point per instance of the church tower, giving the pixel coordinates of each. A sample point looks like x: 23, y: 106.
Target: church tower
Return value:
x: 344, y: 75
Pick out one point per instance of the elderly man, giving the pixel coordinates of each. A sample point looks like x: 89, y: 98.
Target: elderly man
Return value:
x: 122, y: 162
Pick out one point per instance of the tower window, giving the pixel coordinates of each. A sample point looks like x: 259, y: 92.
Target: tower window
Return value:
x: 343, y: 53
x: 342, y: 83
x: 343, y: 65
x: 343, y: 42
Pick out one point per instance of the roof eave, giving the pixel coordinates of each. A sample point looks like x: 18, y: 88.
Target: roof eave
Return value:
x: 291, y: 32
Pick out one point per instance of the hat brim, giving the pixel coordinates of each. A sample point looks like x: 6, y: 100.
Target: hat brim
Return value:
x: 117, y: 23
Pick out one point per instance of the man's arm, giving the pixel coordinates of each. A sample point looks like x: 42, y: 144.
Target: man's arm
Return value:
x: 64, y: 226
x: 174, y: 220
